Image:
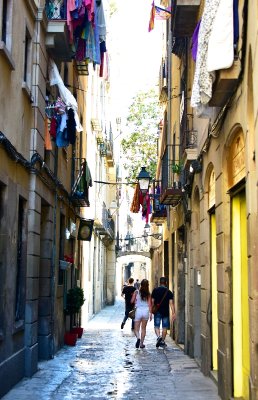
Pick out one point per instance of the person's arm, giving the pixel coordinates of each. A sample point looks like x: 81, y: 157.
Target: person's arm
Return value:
x: 172, y: 308
x: 133, y: 297
x: 150, y: 300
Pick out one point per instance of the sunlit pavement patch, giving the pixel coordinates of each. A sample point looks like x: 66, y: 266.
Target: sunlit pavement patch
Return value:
x: 106, y: 365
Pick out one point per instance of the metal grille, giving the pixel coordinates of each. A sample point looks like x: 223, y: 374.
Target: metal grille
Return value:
x: 56, y: 9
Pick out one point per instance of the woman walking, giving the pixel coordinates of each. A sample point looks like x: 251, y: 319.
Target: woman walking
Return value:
x: 142, y: 300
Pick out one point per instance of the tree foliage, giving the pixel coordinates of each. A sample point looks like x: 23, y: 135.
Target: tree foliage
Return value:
x: 140, y: 145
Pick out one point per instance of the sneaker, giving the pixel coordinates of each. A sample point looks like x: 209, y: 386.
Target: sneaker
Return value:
x: 142, y: 346
x: 162, y: 344
x: 122, y: 325
x: 159, y: 340
x: 137, y: 344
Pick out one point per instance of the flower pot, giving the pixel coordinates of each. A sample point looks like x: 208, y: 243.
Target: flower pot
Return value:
x: 78, y: 330
x: 70, y: 338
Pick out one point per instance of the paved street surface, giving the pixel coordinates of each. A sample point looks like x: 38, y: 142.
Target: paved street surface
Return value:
x: 105, y: 364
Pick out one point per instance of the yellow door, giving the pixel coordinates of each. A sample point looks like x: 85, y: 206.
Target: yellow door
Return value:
x: 214, y: 297
x: 241, y: 352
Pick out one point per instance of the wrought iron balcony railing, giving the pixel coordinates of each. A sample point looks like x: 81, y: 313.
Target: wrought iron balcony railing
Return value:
x: 105, y: 227
x: 57, y: 39
x: 159, y: 211
x: 172, y: 176
x: 56, y: 9
x: 81, y: 181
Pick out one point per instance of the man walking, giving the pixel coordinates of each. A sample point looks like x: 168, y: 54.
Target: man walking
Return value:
x: 127, y: 294
x: 163, y: 298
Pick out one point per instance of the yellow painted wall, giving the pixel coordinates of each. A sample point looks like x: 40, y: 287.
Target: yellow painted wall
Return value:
x: 214, y: 296
x: 241, y: 353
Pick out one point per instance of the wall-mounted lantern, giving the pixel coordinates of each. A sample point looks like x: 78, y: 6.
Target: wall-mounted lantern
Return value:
x: 144, y: 180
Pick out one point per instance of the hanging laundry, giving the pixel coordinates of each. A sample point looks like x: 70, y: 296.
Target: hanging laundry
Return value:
x: 53, y: 127
x: 203, y: 80
x: 135, y: 206
x: 220, y: 53
x: 194, y: 45
x: 146, y: 206
x: 101, y: 22
x: 70, y: 6
x: 71, y: 126
x: 82, y: 182
x: 66, y: 95
x: 61, y: 134
x: 162, y: 14
x: 152, y: 17
x: 47, y: 144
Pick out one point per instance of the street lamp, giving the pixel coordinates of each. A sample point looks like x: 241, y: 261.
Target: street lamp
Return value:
x: 144, y: 180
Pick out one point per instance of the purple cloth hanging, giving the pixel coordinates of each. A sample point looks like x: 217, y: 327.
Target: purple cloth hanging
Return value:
x: 195, y: 41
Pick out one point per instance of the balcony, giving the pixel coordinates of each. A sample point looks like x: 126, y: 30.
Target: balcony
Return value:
x: 109, y: 153
x: 82, y: 68
x: 172, y: 176
x: 171, y: 196
x: 163, y: 89
x: 185, y: 17
x: 225, y: 84
x: 159, y: 211
x: 57, y: 39
x: 81, y: 183
x: 105, y: 227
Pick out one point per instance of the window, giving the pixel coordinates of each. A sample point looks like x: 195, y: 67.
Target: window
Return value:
x: 6, y: 32
x: 4, y: 22
x: 20, y: 266
x: 61, y: 248
x: 27, y: 59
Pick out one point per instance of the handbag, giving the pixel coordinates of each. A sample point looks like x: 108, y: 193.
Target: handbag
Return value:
x: 131, y: 313
x: 155, y: 307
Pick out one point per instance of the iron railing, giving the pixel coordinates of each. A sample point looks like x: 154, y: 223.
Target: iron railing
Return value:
x: 56, y: 9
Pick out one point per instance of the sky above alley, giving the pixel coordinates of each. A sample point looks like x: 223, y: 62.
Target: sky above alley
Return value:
x: 135, y: 52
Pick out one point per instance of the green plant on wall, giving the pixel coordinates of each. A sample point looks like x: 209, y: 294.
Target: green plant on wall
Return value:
x: 177, y: 168
x: 74, y: 302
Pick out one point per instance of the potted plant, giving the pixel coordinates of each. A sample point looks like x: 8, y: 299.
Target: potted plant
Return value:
x: 74, y: 301
x: 177, y: 169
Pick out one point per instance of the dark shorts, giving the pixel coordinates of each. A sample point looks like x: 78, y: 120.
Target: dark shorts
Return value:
x: 158, y: 318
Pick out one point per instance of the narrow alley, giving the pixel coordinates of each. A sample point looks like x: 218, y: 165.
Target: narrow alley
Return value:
x: 106, y: 365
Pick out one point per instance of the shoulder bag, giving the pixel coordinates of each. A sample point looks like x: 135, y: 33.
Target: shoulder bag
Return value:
x: 131, y: 313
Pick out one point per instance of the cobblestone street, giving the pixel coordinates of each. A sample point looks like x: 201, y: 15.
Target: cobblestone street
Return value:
x: 106, y: 365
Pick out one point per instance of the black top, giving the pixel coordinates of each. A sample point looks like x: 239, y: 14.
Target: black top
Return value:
x: 128, y: 291
x: 157, y: 295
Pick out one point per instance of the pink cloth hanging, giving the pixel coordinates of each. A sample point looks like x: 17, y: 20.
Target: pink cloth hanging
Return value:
x: 70, y: 7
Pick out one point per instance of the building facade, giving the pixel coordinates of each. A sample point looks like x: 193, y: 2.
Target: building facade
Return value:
x: 47, y: 174
x: 208, y: 176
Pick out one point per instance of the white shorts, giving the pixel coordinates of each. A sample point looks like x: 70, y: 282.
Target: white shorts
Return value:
x: 141, y: 313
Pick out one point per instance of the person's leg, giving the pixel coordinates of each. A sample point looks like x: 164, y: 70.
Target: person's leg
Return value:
x: 157, y: 324
x: 165, y: 326
x: 157, y: 321
x: 164, y: 333
x: 137, y: 332
x: 143, y: 331
x: 125, y: 318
